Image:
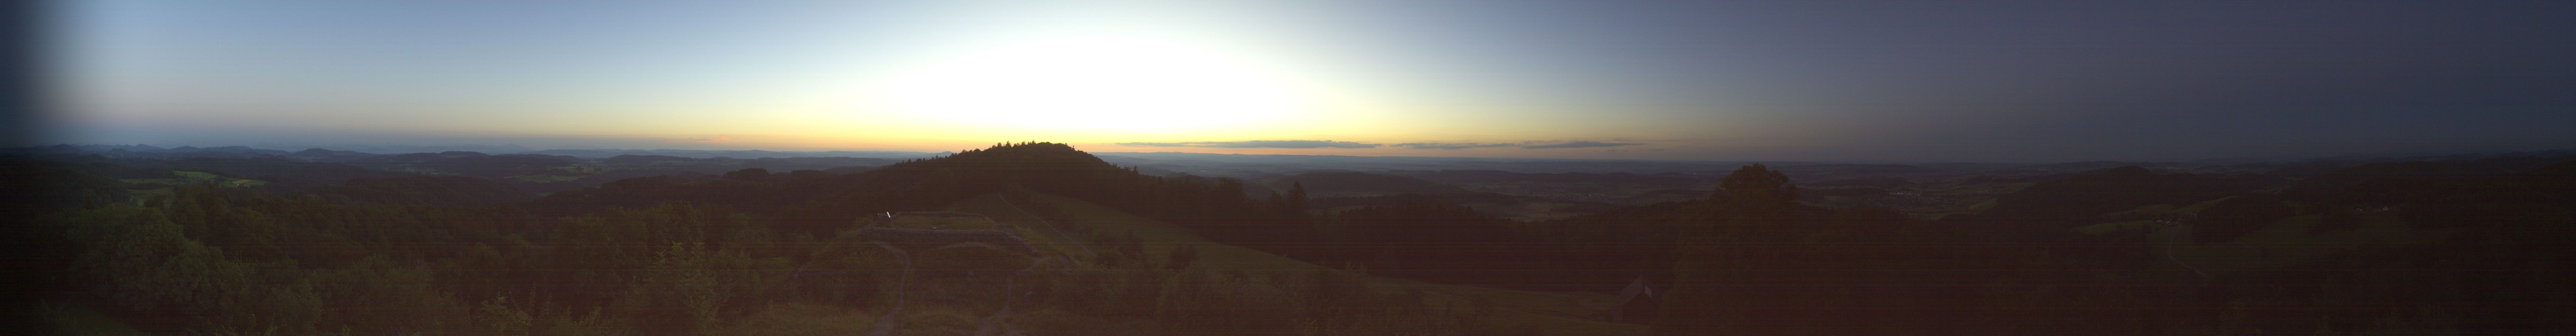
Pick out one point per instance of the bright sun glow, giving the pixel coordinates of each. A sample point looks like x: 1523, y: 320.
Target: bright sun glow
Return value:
x: 1093, y: 83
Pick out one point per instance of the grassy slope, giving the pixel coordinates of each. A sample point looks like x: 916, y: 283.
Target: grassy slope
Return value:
x: 2289, y: 240
x: 65, y: 319
x: 2281, y: 243
x: 195, y: 175
x: 1536, y: 311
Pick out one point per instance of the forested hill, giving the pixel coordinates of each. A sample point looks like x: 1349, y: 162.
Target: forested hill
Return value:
x: 820, y: 201
x: 1423, y: 237
x: 1038, y: 166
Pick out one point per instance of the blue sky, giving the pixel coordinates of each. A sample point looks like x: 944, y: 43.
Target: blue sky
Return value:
x: 1802, y: 80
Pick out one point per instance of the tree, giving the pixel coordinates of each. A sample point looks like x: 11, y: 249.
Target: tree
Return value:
x: 1297, y: 196
x: 1733, y: 270
x: 1755, y: 186
x: 1228, y: 192
x: 1181, y: 257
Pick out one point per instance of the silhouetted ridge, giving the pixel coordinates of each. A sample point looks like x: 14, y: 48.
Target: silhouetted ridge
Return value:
x: 638, y: 159
x: 2121, y: 171
x: 1042, y: 166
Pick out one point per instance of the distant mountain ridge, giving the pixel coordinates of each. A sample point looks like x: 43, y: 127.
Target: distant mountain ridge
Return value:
x: 362, y: 150
x: 740, y: 154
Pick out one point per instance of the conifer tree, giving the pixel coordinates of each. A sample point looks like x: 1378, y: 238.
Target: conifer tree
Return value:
x: 1297, y: 196
x: 1755, y: 186
x: 1728, y: 253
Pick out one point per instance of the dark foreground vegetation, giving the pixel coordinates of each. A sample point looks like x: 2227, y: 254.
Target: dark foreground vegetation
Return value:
x: 2475, y: 246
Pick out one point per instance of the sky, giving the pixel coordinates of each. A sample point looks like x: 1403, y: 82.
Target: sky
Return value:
x: 1678, y: 80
